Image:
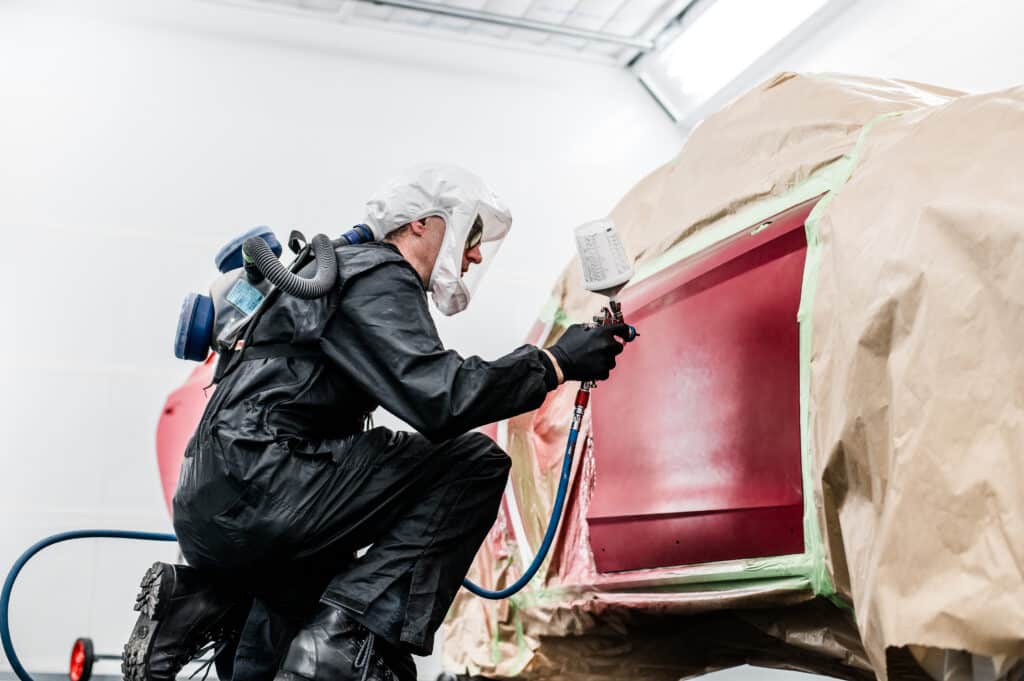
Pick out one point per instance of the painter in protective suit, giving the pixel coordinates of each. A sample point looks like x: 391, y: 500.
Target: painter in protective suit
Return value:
x: 282, y: 484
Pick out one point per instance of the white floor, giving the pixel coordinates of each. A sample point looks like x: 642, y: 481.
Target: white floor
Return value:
x: 746, y: 673
x: 428, y: 672
x: 737, y: 674
x: 430, y: 667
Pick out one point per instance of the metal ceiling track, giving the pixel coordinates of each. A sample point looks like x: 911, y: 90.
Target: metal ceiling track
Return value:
x: 517, y: 22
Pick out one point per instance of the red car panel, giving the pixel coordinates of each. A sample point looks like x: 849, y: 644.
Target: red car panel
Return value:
x: 697, y: 433
x: 182, y: 411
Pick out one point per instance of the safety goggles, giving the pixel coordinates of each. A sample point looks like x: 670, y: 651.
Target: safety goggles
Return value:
x: 476, y: 234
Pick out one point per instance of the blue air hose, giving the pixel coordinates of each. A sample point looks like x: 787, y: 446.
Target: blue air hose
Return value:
x: 611, y: 314
x: 5, y: 595
x: 556, y: 512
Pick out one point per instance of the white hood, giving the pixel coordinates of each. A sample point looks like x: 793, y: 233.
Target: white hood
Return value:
x: 456, y: 195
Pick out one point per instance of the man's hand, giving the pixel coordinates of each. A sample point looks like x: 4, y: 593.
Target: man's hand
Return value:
x: 588, y: 353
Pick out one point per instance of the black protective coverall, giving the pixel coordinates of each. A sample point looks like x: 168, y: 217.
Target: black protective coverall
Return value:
x: 281, y: 484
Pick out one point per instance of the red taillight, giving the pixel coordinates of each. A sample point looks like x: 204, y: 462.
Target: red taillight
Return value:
x: 80, y: 667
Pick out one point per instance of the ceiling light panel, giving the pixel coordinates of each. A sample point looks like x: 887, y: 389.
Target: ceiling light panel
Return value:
x: 713, y: 49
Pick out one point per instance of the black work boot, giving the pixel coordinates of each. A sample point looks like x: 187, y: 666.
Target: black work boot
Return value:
x: 334, y: 647
x: 180, y: 611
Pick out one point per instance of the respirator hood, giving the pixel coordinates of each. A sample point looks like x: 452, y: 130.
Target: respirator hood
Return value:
x: 457, y: 196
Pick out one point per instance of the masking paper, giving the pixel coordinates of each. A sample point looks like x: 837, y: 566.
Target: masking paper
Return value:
x: 911, y: 315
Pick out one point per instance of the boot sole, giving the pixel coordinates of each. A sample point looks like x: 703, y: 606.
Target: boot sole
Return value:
x: 157, y: 582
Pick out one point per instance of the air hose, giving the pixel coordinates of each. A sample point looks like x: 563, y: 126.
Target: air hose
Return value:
x: 609, y: 315
x: 256, y: 251
x: 582, y: 398
x: 5, y: 595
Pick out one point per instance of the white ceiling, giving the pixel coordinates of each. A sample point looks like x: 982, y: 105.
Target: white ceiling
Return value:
x: 643, y: 19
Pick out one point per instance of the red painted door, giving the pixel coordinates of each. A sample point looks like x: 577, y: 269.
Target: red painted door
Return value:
x: 697, y: 433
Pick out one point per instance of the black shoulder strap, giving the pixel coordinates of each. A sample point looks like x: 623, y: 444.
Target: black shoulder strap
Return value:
x: 228, y: 360
x: 269, y: 350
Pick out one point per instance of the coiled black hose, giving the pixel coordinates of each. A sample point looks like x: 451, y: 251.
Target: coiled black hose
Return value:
x: 258, y: 252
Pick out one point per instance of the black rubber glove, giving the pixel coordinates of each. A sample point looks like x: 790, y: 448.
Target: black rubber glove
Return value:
x: 588, y: 354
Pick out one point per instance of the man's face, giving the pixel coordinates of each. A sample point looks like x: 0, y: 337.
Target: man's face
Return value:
x: 471, y: 254
x: 433, y: 237
x: 434, y: 234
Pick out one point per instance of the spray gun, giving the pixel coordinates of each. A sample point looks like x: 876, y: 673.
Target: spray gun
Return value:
x: 606, y: 269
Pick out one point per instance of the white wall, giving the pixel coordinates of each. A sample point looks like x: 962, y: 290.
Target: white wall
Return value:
x: 137, y: 135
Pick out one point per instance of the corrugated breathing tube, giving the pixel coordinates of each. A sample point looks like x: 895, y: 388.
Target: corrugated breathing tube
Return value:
x: 259, y: 253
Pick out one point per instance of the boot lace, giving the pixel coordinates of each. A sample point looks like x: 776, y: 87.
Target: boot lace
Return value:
x: 217, y: 647
x: 365, y: 657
